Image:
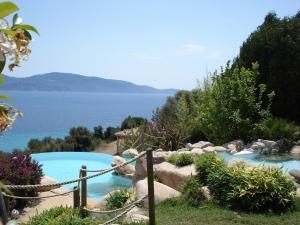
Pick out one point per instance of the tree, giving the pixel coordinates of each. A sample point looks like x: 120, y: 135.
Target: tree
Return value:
x: 275, y: 45
x: 98, y: 132
x: 132, y: 122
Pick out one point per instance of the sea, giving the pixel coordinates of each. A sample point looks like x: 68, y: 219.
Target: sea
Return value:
x: 54, y: 113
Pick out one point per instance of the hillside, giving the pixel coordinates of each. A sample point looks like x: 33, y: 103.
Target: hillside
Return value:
x: 73, y: 82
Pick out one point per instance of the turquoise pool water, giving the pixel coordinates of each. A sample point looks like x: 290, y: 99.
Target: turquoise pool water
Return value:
x: 256, y: 159
x: 63, y: 166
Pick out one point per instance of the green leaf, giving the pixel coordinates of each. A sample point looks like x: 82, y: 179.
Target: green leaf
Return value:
x: 6, y: 97
x: 2, y: 63
x: 27, y: 34
x: 8, y: 32
x: 25, y: 27
x: 7, y: 8
x: 1, y: 79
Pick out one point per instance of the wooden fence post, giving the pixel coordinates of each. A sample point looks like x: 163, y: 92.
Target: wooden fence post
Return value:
x: 76, y: 198
x: 3, y: 211
x: 83, y: 191
x: 151, y: 199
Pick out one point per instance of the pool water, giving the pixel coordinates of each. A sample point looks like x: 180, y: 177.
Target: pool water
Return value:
x: 256, y: 158
x: 64, y: 166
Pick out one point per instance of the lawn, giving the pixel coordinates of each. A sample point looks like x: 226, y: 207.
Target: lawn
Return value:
x: 176, y: 212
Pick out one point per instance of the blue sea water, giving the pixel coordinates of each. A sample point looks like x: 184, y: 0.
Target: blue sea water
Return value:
x: 54, y: 113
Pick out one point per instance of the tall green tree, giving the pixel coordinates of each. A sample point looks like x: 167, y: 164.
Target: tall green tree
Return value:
x: 275, y: 45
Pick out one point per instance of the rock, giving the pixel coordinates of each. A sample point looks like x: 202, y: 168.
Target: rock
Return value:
x: 202, y: 144
x: 209, y: 149
x: 136, y: 214
x: 220, y: 149
x: 161, y: 191
x: 258, y: 146
x: 189, y: 146
x: 100, y: 204
x: 197, y: 151
x: 183, y: 149
x: 238, y: 162
x: 298, y: 192
x: 159, y: 157
x: 295, y: 150
x: 296, y: 174
x: 174, y: 176
x: 206, y: 192
x: 233, y: 151
x: 274, y: 151
x: 243, y: 152
x: 159, y: 150
x: 236, y: 145
x: 130, y: 153
x: 127, y: 170
x: 270, y: 146
x: 140, y: 169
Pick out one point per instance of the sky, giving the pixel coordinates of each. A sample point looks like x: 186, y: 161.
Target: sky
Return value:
x: 161, y: 43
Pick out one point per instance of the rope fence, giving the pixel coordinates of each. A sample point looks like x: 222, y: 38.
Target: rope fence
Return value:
x: 80, y: 200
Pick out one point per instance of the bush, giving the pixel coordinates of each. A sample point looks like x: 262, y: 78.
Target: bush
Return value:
x: 259, y: 189
x: 193, y: 193
x: 18, y: 168
x: 118, y: 199
x: 180, y: 160
x: 206, y: 163
x: 132, y: 122
x: 61, y: 216
x: 277, y: 128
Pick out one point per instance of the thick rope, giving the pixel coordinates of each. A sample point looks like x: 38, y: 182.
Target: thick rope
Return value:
x: 101, y: 172
x: 116, y: 210
x: 37, y: 197
x: 126, y: 210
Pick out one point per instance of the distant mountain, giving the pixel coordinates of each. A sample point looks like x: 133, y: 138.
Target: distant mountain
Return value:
x: 73, y: 82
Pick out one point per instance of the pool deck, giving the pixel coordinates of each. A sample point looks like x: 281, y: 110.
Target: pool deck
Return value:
x: 47, y: 203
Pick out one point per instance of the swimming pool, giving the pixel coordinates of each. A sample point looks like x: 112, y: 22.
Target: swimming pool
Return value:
x: 256, y: 158
x: 64, y: 166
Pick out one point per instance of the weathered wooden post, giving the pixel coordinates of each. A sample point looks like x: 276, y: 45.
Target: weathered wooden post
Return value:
x: 76, y: 197
x: 3, y: 211
x: 83, y: 191
x: 151, y: 199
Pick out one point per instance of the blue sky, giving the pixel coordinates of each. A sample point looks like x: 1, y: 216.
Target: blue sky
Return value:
x: 165, y: 44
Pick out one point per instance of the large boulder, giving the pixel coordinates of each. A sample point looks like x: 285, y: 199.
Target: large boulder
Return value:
x: 130, y: 153
x: 257, y: 146
x: 270, y: 146
x: 197, y: 151
x: 296, y: 174
x: 172, y: 175
x: 234, y: 146
x: 220, y: 149
x: 140, y: 169
x: 295, y: 150
x: 202, y: 144
x: 159, y: 156
x: 127, y: 170
x: 209, y: 149
x: 161, y: 191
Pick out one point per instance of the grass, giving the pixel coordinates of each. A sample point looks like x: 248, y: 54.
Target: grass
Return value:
x: 177, y: 212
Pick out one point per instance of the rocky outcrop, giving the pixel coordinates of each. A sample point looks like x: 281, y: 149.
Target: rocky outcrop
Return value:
x: 130, y: 153
x: 200, y: 144
x: 257, y: 146
x: 127, y: 170
x: 296, y: 174
x: 197, y: 151
x: 295, y: 150
x: 234, y: 146
x: 174, y: 176
x: 161, y: 191
x: 270, y: 146
x: 140, y: 169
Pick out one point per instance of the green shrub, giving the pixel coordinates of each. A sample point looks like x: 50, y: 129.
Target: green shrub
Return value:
x: 259, y: 189
x: 118, y: 199
x: 205, y: 163
x: 193, y: 193
x: 180, y: 160
x: 62, y: 216
x: 277, y: 128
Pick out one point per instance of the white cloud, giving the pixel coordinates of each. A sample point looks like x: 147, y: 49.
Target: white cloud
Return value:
x: 189, y: 49
x: 147, y: 57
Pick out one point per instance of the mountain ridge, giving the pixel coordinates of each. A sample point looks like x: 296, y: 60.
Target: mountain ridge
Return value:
x: 71, y: 82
